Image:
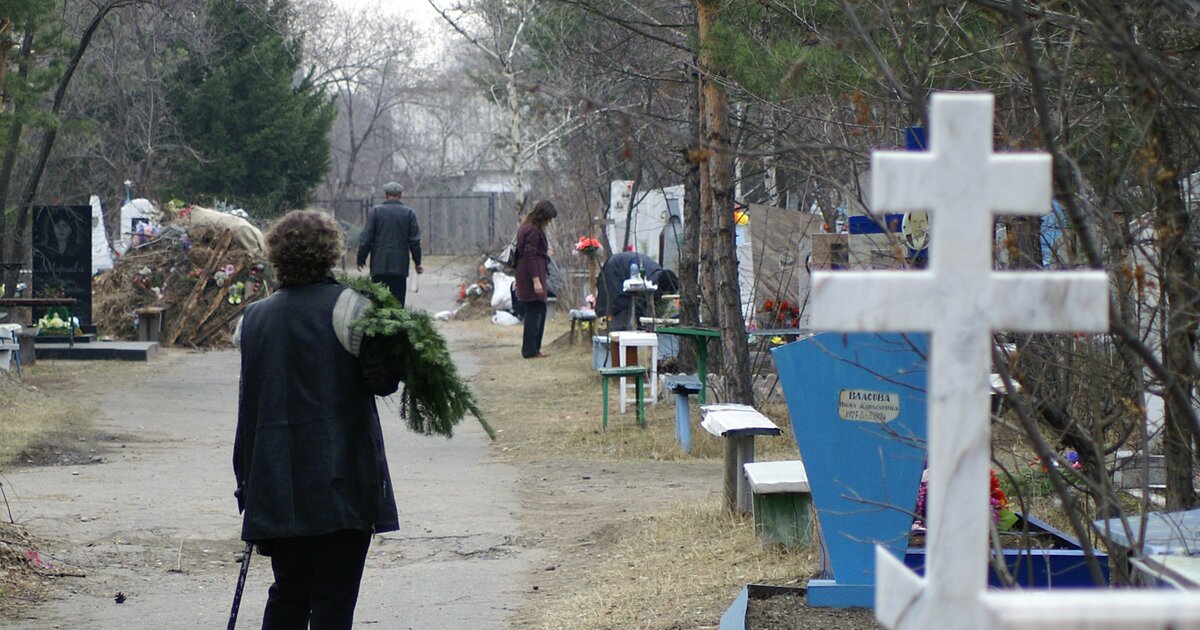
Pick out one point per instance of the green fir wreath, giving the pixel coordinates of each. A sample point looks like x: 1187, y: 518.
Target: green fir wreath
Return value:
x: 435, y: 398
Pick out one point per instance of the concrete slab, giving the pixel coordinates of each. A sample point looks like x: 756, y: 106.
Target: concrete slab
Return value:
x: 98, y: 351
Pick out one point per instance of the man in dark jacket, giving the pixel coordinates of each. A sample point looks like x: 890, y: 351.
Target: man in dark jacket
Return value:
x: 308, y: 457
x: 389, y: 237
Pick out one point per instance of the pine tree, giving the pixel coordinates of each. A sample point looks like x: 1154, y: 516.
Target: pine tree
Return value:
x: 257, y: 128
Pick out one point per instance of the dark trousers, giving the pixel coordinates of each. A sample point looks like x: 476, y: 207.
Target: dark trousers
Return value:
x: 398, y: 285
x: 535, y: 324
x: 316, y: 580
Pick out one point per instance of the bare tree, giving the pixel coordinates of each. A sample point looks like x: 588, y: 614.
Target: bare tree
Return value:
x: 372, y: 72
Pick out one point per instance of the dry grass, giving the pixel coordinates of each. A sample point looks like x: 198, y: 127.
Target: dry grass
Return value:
x: 38, y: 413
x: 41, y: 420
x: 670, y: 569
x: 673, y: 565
x: 552, y: 406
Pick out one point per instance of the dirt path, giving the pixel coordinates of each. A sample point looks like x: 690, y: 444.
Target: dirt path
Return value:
x: 156, y: 522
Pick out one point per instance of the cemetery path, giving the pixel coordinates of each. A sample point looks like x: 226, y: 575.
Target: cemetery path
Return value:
x: 154, y: 526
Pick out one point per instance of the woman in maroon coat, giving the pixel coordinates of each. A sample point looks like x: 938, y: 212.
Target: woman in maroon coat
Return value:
x: 533, y: 255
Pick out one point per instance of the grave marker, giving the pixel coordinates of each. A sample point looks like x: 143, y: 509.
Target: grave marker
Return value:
x: 858, y: 407
x: 62, y: 257
x: 961, y: 183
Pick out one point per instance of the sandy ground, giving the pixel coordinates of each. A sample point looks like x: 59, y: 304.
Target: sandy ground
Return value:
x: 155, y: 520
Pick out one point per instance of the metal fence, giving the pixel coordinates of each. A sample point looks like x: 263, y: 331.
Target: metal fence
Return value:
x: 450, y: 224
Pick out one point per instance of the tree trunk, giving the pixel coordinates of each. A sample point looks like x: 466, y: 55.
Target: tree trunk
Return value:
x: 736, y: 352
x: 689, y: 255
x: 21, y: 250
x: 6, y: 45
x: 518, y: 143
x: 11, y: 240
x: 1180, y: 298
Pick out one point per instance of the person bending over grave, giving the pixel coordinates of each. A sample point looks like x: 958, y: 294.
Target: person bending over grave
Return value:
x: 611, y: 299
x: 308, y: 456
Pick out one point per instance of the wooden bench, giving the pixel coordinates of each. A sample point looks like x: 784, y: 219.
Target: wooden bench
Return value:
x: 150, y: 320
x: 738, y: 424
x: 638, y: 373
x: 783, y: 509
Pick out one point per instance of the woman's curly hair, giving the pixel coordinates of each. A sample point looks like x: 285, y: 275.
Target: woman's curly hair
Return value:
x: 303, y: 246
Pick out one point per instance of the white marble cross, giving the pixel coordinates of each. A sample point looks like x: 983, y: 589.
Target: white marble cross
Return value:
x: 960, y: 300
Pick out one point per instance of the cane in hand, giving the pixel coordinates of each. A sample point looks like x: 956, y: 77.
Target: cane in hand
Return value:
x: 241, y: 585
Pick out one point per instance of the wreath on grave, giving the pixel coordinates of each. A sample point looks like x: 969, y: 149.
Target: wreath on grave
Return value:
x: 58, y: 321
x: 403, y: 345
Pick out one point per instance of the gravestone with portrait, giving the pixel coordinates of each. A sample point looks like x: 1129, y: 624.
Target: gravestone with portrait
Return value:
x: 62, y: 257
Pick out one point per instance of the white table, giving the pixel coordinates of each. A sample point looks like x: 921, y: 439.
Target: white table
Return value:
x: 634, y: 287
x: 621, y: 340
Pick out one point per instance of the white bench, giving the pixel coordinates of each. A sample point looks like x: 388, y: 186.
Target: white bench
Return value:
x: 585, y: 320
x: 738, y: 424
x: 10, y: 347
x: 783, y: 511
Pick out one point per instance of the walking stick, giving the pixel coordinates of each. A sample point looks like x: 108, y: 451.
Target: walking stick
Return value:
x: 417, y: 283
x: 241, y: 585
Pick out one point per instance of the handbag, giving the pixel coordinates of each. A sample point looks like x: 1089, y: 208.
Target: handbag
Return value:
x: 508, y: 255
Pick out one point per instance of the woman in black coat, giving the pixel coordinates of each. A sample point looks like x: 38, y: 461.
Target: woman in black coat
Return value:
x: 308, y: 457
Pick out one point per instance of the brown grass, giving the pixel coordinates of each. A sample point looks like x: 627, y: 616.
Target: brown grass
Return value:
x: 552, y: 406
x: 39, y: 413
x: 643, y: 562
x: 41, y: 421
x: 671, y: 569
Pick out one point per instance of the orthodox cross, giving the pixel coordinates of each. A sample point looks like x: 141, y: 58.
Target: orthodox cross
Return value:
x: 961, y: 301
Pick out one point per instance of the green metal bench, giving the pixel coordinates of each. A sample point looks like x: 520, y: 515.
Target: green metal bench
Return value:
x: 639, y: 374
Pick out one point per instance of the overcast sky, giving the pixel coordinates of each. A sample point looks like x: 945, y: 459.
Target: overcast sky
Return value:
x: 415, y: 9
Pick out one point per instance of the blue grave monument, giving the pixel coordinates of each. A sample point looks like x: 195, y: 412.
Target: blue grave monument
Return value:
x: 857, y: 404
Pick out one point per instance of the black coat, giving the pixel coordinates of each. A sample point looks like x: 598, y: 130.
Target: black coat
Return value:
x: 390, y: 236
x: 308, y: 456
x: 611, y: 298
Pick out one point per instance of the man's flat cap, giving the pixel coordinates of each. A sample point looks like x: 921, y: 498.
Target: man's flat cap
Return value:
x: 393, y: 188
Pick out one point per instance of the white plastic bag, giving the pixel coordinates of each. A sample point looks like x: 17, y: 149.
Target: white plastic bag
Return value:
x: 502, y: 298
x: 504, y: 318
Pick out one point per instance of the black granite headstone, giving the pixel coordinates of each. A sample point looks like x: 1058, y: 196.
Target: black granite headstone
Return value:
x: 62, y: 257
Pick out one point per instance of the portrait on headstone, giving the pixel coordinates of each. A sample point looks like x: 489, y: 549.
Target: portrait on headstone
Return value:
x: 62, y: 256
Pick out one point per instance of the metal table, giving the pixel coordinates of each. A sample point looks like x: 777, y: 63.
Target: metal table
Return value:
x: 39, y: 302
x: 700, y: 335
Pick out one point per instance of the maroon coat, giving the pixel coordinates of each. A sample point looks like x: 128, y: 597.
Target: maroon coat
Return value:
x: 533, y: 255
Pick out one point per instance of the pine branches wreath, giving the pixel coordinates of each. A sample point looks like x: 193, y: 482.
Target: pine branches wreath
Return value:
x: 435, y: 398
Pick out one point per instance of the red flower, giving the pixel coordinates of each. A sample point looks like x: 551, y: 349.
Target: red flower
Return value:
x: 997, y: 492
x: 587, y: 245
